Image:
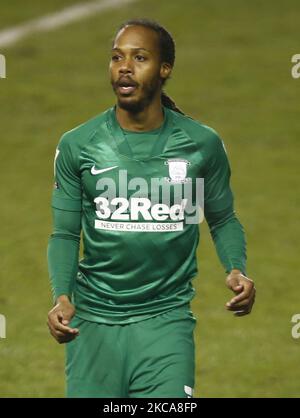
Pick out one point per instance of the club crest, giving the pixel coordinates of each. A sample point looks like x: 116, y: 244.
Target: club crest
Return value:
x: 177, y: 170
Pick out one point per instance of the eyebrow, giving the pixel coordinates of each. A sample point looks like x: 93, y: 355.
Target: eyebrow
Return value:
x: 132, y: 49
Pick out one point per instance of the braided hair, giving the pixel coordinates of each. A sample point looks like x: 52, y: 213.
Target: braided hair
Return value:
x: 167, y: 51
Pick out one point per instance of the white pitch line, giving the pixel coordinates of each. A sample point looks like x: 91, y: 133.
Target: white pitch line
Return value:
x: 53, y: 21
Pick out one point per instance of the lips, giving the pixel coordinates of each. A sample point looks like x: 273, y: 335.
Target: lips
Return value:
x: 126, y: 86
x: 126, y: 89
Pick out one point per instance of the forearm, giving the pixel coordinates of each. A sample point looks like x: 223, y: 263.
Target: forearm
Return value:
x: 229, y: 239
x: 63, y: 252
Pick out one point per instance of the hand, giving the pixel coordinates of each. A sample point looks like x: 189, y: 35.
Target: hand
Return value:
x: 58, y: 319
x: 245, y: 292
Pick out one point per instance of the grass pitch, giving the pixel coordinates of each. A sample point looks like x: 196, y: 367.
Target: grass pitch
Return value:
x: 233, y: 72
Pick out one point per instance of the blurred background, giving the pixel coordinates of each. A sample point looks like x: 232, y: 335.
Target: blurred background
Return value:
x: 232, y: 72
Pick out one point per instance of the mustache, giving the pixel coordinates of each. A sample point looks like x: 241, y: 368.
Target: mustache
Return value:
x: 125, y: 81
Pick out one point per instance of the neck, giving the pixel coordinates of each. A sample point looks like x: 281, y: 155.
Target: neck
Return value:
x: 151, y: 117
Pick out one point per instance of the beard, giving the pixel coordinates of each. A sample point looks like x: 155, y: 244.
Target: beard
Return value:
x: 137, y: 105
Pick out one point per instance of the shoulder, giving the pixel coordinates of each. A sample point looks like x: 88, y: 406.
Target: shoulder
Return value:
x: 202, y: 134
x: 207, y: 140
x: 79, y: 136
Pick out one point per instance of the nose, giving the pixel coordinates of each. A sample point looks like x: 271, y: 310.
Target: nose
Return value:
x: 125, y: 67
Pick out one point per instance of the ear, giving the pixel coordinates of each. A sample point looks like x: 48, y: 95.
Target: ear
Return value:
x: 165, y: 70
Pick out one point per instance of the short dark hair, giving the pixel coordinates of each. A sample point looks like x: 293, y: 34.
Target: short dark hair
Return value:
x: 166, y: 47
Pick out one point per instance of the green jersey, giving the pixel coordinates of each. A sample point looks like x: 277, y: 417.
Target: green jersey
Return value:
x: 140, y: 211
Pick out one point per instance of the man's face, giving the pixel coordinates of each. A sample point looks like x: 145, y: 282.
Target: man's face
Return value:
x: 135, y: 67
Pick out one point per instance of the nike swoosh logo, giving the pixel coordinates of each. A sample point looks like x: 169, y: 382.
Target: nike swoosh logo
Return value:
x: 94, y: 171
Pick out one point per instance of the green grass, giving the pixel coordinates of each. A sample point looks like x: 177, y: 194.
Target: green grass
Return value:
x: 13, y: 12
x: 232, y: 73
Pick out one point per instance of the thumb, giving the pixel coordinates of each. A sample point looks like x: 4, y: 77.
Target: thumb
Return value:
x: 60, y: 316
x: 67, y: 315
x: 234, y: 284
x: 238, y: 288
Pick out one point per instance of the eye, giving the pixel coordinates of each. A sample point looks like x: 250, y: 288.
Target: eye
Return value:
x: 115, y: 57
x: 140, y: 57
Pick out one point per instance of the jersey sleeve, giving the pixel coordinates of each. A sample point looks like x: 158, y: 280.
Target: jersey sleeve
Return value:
x: 217, y: 192
x: 63, y: 251
x: 66, y: 194
x: 226, y: 230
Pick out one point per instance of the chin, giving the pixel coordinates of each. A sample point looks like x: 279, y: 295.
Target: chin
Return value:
x: 134, y: 106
